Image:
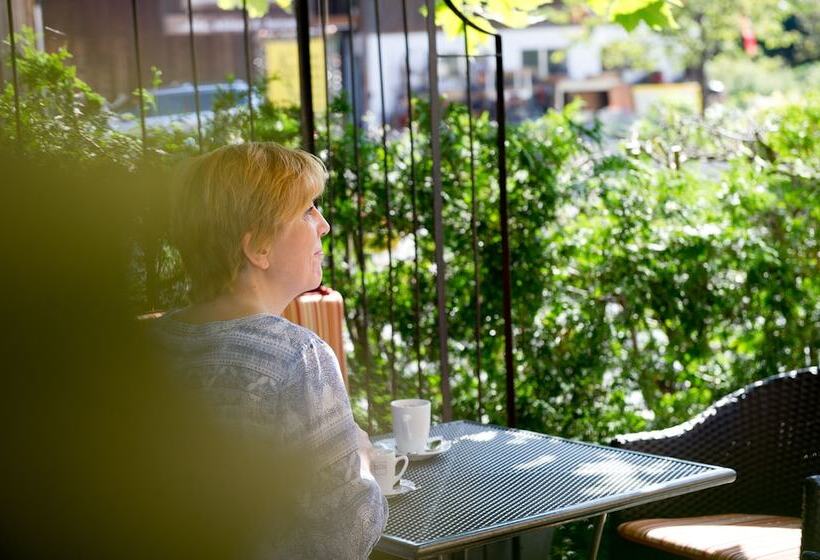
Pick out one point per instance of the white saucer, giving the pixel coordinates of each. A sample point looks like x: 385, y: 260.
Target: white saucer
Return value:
x: 444, y: 446
x: 403, y: 487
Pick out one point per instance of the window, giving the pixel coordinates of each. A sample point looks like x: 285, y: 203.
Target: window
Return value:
x: 529, y: 59
x: 557, y: 62
x: 545, y: 62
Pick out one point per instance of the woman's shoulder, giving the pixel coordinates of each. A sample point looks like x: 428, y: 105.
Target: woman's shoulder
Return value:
x: 261, y: 342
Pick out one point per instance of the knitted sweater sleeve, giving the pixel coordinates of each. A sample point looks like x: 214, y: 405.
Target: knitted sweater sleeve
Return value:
x: 345, y: 513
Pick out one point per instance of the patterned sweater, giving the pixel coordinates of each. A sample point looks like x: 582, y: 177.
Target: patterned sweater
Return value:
x: 264, y: 373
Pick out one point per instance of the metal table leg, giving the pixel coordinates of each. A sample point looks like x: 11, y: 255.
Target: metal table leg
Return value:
x: 600, y: 521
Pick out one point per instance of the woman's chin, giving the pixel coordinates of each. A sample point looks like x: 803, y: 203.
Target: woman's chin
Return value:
x: 317, y: 279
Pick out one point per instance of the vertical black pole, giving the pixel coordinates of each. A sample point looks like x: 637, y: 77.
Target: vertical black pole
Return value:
x: 195, y: 75
x: 501, y: 117
x: 305, y: 78
x: 387, y: 209
x: 138, y: 60
x: 322, y: 6
x: 365, y: 319
x: 438, y: 227
x: 248, y: 74
x: 416, y: 289
x: 15, y: 81
x: 151, y: 249
x: 474, y: 231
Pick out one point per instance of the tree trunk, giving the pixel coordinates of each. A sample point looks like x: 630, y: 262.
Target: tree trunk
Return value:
x: 700, y: 75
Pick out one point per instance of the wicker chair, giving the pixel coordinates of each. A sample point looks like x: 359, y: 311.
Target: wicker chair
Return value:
x: 769, y: 433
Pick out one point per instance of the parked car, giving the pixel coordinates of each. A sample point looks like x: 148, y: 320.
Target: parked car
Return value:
x: 177, y: 105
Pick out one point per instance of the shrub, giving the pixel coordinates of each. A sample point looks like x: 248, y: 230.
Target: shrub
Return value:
x: 649, y: 278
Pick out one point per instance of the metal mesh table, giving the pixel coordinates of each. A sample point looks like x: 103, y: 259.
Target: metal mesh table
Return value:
x: 497, y: 482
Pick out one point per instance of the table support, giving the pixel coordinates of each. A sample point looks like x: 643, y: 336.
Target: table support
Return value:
x: 600, y: 521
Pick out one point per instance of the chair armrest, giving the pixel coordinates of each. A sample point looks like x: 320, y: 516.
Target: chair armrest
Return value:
x: 811, y: 518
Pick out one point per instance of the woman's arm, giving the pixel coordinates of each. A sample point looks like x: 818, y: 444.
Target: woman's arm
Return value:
x: 345, y: 512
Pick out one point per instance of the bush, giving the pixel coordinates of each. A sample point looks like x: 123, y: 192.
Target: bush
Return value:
x: 648, y: 280
x: 747, y: 79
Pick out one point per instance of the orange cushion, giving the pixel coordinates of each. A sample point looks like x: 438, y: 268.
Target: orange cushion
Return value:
x: 323, y: 312
x: 734, y: 536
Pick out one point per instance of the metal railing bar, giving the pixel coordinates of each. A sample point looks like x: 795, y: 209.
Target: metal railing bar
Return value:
x: 414, y: 208
x: 390, y: 278
x: 305, y: 76
x: 15, y: 81
x: 150, y: 254
x: 195, y: 75
x: 360, y: 223
x: 322, y: 8
x: 248, y: 75
x: 501, y: 143
x: 137, y: 54
x: 2, y: 64
x: 474, y: 232
x: 438, y: 226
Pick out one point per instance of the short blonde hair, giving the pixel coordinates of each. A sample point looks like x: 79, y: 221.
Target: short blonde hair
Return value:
x: 247, y: 188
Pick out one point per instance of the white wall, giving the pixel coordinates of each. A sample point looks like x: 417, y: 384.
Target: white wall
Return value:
x: 583, y: 56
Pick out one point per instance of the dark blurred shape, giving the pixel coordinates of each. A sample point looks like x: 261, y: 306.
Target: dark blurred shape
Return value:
x: 104, y: 454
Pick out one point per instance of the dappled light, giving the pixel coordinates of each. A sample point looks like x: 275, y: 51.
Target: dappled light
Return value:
x: 537, y: 462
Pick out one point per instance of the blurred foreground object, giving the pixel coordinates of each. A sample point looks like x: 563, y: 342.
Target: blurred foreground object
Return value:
x: 105, y: 455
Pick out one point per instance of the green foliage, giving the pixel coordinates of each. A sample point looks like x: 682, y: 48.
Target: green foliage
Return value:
x: 644, y: 285
x: 256, y: 8
x: 627, y: 54
x: 59, y: 113
x: 709, y: 27
x: 704, y: 30
x: 647, y: 281
x: 657, y: 14
x: 746, y: 79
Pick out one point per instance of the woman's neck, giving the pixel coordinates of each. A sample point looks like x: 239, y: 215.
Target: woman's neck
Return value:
x: 243, y: 300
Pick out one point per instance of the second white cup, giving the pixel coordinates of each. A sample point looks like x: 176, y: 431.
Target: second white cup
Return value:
x: 383, y: 463
x: 411, y: 424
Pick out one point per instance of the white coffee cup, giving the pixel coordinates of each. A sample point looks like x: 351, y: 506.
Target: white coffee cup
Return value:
x: 383, y: 463
x: 411, y: 424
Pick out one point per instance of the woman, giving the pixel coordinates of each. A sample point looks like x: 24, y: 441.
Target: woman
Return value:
x: 249, y: 232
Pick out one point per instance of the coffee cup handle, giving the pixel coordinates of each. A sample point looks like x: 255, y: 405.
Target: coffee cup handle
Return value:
x: 399, y: 459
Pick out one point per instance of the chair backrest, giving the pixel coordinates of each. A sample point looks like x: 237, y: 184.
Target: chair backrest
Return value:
x: 322, y: 311
x: 768, y: 432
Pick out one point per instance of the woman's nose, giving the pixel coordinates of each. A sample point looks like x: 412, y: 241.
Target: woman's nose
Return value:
x: 324, y: 227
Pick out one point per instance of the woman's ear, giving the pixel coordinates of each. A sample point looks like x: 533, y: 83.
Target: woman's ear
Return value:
x: 257, y: 255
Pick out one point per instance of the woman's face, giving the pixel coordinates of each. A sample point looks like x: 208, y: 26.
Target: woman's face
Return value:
x: 296, y: 252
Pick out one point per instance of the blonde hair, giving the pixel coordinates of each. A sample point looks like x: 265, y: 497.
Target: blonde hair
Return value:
x: 247, y: 188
